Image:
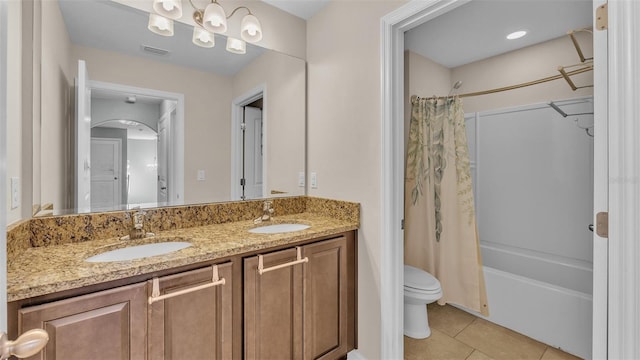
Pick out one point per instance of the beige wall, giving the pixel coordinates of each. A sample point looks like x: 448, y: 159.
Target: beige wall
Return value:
x: 14, y: 103
x: 422, y: 77
x: 284, y: 79
x: 207, y: 126
x: 531, y: 63
x: 344, y: 134
x: 56, y: 178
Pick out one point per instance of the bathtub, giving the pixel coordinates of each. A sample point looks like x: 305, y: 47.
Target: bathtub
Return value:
x: 546, y: 297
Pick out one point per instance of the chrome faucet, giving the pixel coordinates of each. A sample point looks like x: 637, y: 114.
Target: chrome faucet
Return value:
x: 267, y: 212
x: 137, y: 221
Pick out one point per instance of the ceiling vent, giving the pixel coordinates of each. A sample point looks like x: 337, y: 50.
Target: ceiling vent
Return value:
x: 154, y: 50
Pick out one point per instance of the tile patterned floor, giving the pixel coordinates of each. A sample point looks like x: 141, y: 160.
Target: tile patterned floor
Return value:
x: 457, y: 335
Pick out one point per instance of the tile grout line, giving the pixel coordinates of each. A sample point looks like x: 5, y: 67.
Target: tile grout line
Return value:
x: 463, y: 329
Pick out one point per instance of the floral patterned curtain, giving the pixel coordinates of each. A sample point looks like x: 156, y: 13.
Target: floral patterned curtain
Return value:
x: 441, y: 234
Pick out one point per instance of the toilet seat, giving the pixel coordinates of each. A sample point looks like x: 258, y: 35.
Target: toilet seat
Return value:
x: 419, y: 280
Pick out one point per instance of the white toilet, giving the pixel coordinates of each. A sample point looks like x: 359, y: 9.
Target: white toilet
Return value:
x: 420, y: 289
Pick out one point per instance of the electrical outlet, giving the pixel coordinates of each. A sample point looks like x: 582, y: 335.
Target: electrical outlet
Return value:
x: 201, y: 176
x: 314, y: 180
x: 301, y: 179
x: 15, y: 192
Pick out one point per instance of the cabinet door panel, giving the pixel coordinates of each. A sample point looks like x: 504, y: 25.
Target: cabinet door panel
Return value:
x: 105, y: 325
x: 273, y: 308
x: 325, y: 299
x: 195, y: 325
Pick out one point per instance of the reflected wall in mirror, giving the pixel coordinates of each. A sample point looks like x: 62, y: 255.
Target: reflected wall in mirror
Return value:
x: 219, y: 91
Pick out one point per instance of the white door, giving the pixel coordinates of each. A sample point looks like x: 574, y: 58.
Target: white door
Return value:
x: 83, y: 139
x: 164, y: 136
x: 253, y: 153
x: 105, y: 176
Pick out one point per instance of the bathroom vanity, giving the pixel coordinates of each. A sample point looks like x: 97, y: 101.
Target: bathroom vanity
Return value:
x: 232, y: 294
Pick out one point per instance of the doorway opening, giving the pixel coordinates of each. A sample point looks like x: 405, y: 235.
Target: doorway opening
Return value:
x: 150, y: 127
x: 248, y: 141
x: 394, y: 26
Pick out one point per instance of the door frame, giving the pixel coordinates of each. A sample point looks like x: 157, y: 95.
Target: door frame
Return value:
x: 237, y: 104
x: 3, y: 165
x: 623, y: 85
x: 616, y: 341
x: 393, y: 26
x: 176, y: 155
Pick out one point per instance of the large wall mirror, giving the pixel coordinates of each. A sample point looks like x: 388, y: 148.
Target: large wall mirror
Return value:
x: 132, y: 118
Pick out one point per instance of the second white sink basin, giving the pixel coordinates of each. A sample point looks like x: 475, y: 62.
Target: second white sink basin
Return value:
x: 139, y: 251
x: 278, y: 228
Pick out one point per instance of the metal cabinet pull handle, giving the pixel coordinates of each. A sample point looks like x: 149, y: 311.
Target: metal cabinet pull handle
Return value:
x: 299, y: 260
x: 155, y: 293
x: 26, y: 345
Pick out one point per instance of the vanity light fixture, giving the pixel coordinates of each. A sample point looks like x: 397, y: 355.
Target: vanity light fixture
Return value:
x: 210, y: 20
x: 517, y: 34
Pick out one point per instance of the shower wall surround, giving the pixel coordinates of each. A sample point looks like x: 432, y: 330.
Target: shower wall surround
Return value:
x: 533, y: 178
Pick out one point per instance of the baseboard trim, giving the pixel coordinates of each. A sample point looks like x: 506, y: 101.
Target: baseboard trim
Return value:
x: 355, y: 355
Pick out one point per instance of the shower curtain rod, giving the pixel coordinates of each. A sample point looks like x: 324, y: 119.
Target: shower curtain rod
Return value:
x: 521, y: 85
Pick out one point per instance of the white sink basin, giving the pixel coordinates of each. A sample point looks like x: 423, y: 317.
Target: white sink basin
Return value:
x: 139, y: 251
x: 278, y: 228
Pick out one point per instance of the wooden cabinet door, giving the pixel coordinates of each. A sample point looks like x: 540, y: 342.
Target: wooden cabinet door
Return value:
x: 104, y: 325
x: 325, y: 299
x: 273, y: 308
x: 193, y: 325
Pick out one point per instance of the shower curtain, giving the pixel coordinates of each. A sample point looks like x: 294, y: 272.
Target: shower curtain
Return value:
x: 441, y: 235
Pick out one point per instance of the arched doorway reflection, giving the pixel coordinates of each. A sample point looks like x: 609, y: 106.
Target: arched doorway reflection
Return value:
x: 124, y: 158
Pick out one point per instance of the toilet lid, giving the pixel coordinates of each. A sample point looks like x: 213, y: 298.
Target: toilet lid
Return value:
x: 419, y: 279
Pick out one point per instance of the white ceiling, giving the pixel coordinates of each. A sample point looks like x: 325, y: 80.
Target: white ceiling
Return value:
x: 478, y: 29
x: 301, y: 8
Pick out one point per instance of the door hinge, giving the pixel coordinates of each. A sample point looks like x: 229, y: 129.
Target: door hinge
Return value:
x: 243, y: 182
x: 602, y: 224
x: 602, y: 17
x: 402, y: 224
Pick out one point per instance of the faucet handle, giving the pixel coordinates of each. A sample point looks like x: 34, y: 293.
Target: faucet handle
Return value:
x: 137, y: 218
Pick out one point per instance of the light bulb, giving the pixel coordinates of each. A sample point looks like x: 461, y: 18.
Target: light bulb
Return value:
x: 160, y: 25
x: 250, y: 29
x: 171, y: 9
x: 236, y: 46
x: 202, y: 37
x: 167, y: 5
x: 517, y: 34
x: 214, y: 19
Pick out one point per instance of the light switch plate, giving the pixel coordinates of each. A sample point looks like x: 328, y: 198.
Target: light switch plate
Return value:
x: 15, y: 192
x: 201, y: 175
x: 314, y: 180
x: 301, y: 179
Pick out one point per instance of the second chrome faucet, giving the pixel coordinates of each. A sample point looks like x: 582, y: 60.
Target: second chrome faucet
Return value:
x: 267, y: 212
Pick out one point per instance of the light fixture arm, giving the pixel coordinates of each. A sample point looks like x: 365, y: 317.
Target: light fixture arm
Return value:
x: 238, y: 8
x: 198, y: 14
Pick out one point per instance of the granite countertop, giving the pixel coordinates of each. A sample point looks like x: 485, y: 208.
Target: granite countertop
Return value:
x: 39, y: 271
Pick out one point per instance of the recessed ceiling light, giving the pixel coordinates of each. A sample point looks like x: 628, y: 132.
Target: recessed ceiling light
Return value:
x: 516, y: 34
